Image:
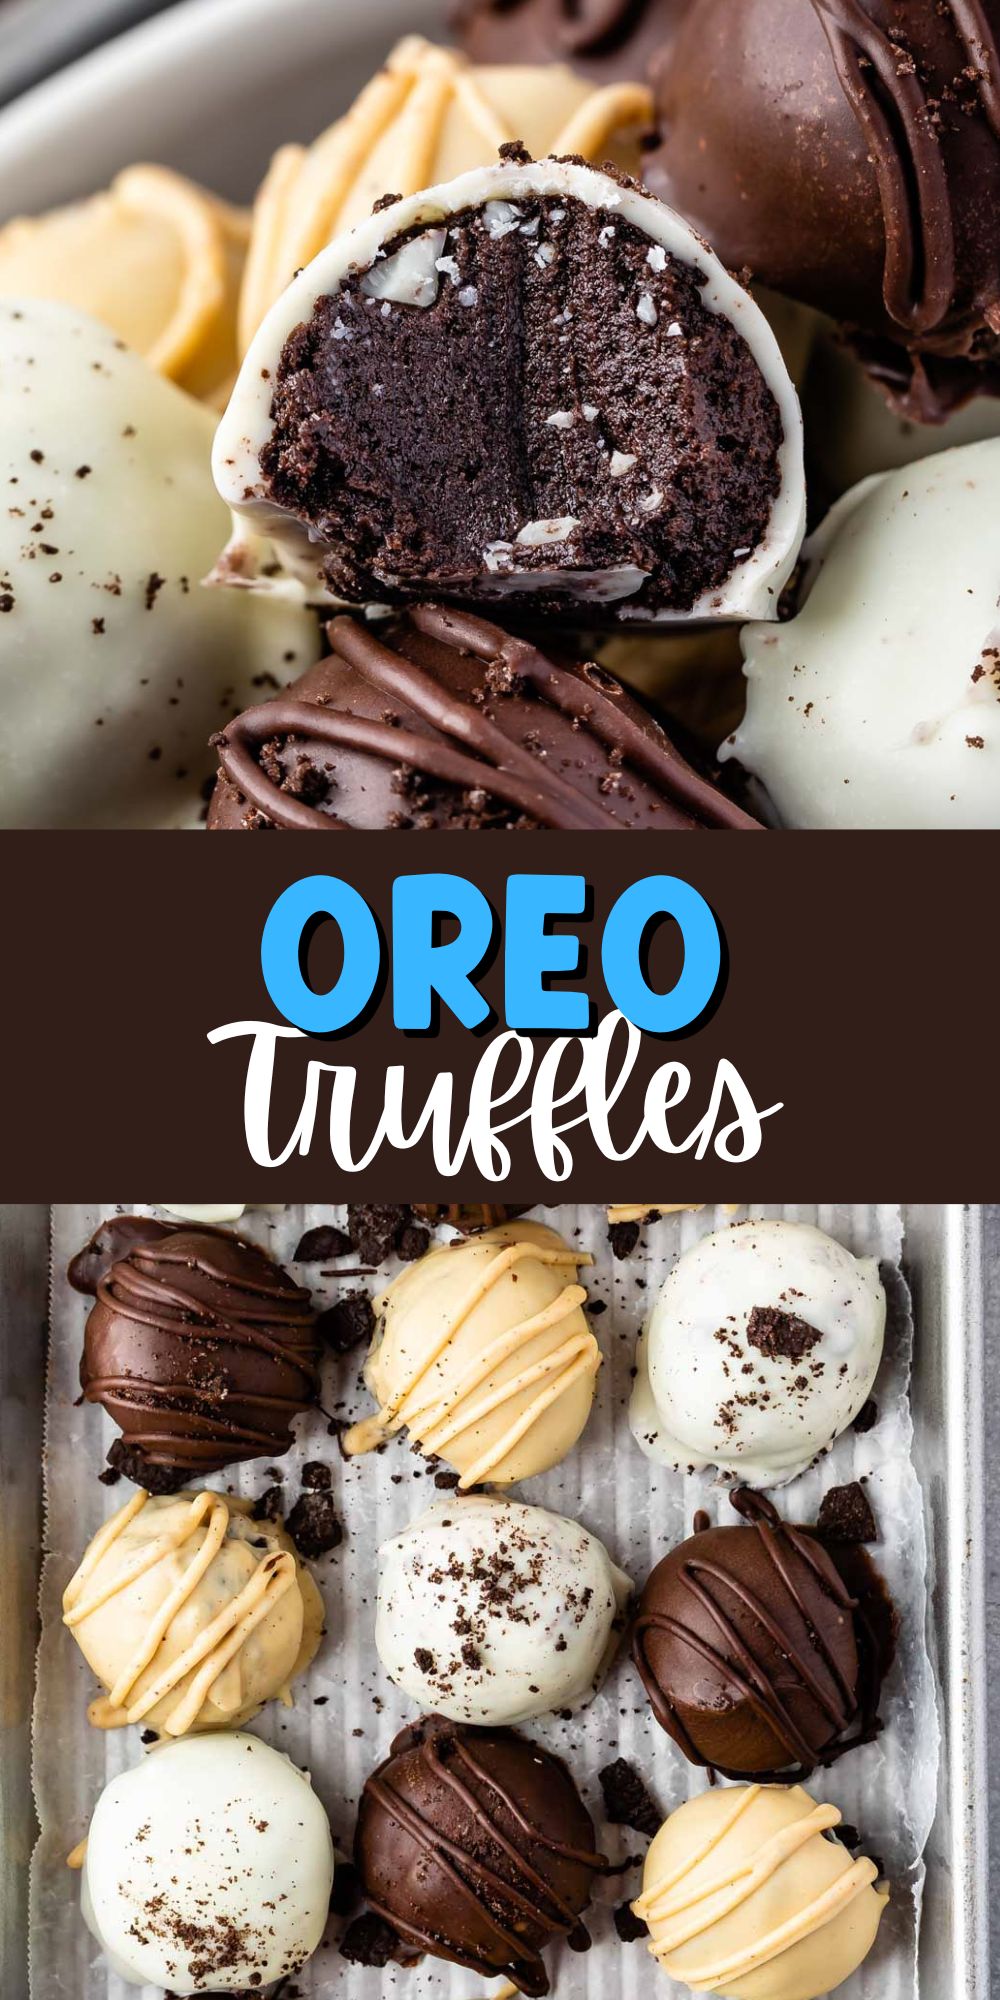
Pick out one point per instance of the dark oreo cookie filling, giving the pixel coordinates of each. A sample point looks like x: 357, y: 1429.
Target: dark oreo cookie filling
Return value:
x: 530, y: 397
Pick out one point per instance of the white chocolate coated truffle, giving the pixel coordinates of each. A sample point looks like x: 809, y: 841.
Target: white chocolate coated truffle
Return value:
x: 744, y: 1896
x: 115, y: 664
x: 209, y: 1866
x: 490, y: 1612
x: 878, y: 704
x: 762, y: 1347
x: 485, y: 1356
x: 191, y: 1613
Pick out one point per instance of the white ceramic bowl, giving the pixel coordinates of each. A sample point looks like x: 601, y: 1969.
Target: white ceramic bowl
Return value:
x: 210, y: 87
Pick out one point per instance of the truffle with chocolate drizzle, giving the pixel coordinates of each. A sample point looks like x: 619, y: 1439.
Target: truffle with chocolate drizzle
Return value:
x: 756, y: 1651
x: 848, y: 153
x: 441, y: 720
x: 198, y: 1345
x: 475, y: 1846
x: 604, y: 39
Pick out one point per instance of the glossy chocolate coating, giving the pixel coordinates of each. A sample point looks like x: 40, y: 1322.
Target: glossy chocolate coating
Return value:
x: 199, y: 1347
x: 754, y: 1650
x: 476, y: 1847
x: 441, y: 720
x: 847, y: 152
x: 608, y: 40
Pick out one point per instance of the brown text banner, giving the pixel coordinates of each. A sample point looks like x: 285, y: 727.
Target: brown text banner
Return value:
x: 831, y: 1023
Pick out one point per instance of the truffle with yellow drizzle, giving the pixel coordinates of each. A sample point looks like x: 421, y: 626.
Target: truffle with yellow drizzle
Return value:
x: 744, y: 1895
x: 191, y: 1613
x: 155, y: 258
x: 484, y: 1355
x: 425, y: 117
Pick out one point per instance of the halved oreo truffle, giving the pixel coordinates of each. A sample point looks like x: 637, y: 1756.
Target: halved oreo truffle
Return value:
x: 534, y: 384
x: 438, y: 720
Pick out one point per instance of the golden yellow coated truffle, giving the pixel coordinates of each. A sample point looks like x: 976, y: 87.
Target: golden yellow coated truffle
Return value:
x: 485, y: 1356
x: 153, y: 257
x: 745, y: 1896
x: 426, y: 117
x: 192, y: 1614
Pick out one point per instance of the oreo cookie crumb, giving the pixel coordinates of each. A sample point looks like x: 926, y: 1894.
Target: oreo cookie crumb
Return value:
x: 626, y: 1800
x: 623, y: 1237
x: 845, y: 1515
x: 317, y: 1477
x: 270, y: 1506
x: 319, y: 1244
x: 781, y: 1336
x: 314, y: 1526
x: 629, y: 1927
x: 374, y: 1229
x: 345, y: 1325
x: 412, y: 1241
x: 370, y: 1941
x: 346, y: 1890
x: 127, y: 1461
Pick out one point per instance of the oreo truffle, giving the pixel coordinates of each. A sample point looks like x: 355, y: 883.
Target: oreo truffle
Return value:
x: 198, y: 1346
x: 475, y: 1846
x: 848, y: 153
x: 756, y: 1652
x: 748, y: 1890
x: 607, y: 40
x: 442, y: 721
x: 535, y: 385
x: 878, y: 704
x: 763, y: 1345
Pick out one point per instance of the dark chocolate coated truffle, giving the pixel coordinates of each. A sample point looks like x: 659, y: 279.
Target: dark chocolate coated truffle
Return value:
x: 847, y: 152
x: 757, y: 1652
x: 198, y: 1345
x: 609, y: 41
x: 440, y: 720
x: 476, y: 1847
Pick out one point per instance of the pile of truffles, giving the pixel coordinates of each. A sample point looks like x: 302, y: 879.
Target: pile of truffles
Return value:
x: 530, y: 368
x: 761, y: 1646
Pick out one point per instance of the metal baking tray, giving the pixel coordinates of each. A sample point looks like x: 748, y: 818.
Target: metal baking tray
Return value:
x: 944, y: 1261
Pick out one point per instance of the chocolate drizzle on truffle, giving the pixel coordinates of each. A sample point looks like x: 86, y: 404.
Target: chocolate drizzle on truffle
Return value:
x: 452, y: 717
x: 475, y: 1846
x: 753, y: 1651
x: 900, y: 119
x: 604, y: 38
x: 848, y: 152
x: 199, y: 1347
